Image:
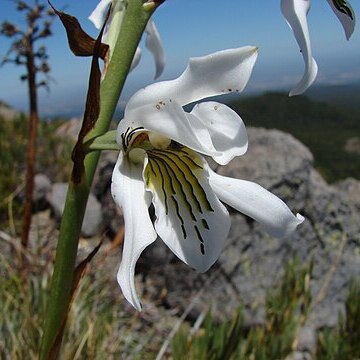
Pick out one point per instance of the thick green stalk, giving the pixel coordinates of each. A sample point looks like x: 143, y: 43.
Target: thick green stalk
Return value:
x: 132, y: 27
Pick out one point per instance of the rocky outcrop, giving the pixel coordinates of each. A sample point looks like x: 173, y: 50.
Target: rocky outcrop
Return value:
x: 69, y: 129
x: 102, y: 184
x: 92, y: 223
x: 352, y: 145
x: 7, y: 112
x: 42, y: 186
x: 349, y: 191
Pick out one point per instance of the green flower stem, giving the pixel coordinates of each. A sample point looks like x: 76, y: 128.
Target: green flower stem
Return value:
x: 133, y: 25
x: 103, y: 142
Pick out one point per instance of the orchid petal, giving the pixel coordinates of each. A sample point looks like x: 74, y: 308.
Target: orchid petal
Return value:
x: 129, y: 193
x: 295, y: 12
x: 226, y: 128
x: 97, y: 17
x: 136, y: 59
x: 114, y: 24
x: 189, y: 217
x: 215, y: 74
x: 345, y: 14
x: 256, y: 202
x: 153, y: 43
x: 170, y: 120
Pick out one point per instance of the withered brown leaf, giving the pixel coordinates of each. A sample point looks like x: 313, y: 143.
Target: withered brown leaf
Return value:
x: 80, y: 43
x: 92, y: 108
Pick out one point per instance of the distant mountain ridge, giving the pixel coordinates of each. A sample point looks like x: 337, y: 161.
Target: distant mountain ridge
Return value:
x: 346, y: 95
x: 343, y: 95
x: 326, y: 127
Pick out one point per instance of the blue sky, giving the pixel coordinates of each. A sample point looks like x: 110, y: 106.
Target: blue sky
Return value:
x: 194, y: 28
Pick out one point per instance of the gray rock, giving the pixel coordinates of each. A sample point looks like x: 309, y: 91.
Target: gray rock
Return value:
x: 352, y: 145
x: 69, y: 129
x: 112, y: 215
x: 276, y: 161
x: 349, y: 191
x: 307, y: 340
x: 42, y: 186
x: 299, y: 355
x: 102, y: 179
x: 8, y: 113
x: 57, y: 198
x: 92, y: 223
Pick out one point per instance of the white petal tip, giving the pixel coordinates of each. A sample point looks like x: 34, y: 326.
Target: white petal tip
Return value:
x: 205, y: 269
x: 300, y: 218
x: 296, y: 92
x: 153, y: 43
x: 286, y: 229
x: 129, y: 292
x: 349, y: 34
x: 299, y: 90
x: 159, y: 71
x: 137, y: 307
x: 97, y: 17
x: 95, y: 21
x: 307, y: 79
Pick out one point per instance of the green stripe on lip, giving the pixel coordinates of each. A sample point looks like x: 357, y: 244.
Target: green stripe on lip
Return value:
x: 176, y: 175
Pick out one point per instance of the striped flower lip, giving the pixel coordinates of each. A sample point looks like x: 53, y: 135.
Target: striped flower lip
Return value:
x: 161, y: 163
x: 153, y: 41
x: 295, y: 13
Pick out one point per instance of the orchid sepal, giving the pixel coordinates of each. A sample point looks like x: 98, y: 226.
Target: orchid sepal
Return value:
x: 295, y: 13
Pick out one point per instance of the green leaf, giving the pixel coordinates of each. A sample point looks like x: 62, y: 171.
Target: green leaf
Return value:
x: 103, y: 142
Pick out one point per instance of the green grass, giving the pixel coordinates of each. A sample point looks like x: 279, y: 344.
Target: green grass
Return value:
x: 323, y: 127
x: 343, y: 341
x: 286, y: 310
x: 53, y: 156
x: 22, y: 306
x: 101, y: 327
x: 287, y: 307
x: 97, y: 328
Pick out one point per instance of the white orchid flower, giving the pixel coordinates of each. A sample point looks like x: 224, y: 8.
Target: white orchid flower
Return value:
x: 160, y: 162
x: 153, y: 41
x: 295, y: 13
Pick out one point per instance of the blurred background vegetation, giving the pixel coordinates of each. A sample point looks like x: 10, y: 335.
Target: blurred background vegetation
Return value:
x: 53, y: 159
x: 99, y: 327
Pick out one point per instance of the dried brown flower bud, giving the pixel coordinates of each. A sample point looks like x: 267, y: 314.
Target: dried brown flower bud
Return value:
x: 21, y: 6
x: 9, y: 29
x: 45, y: 68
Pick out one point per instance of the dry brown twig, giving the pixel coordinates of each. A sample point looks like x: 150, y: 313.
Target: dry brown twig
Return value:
x: 24, y: 52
